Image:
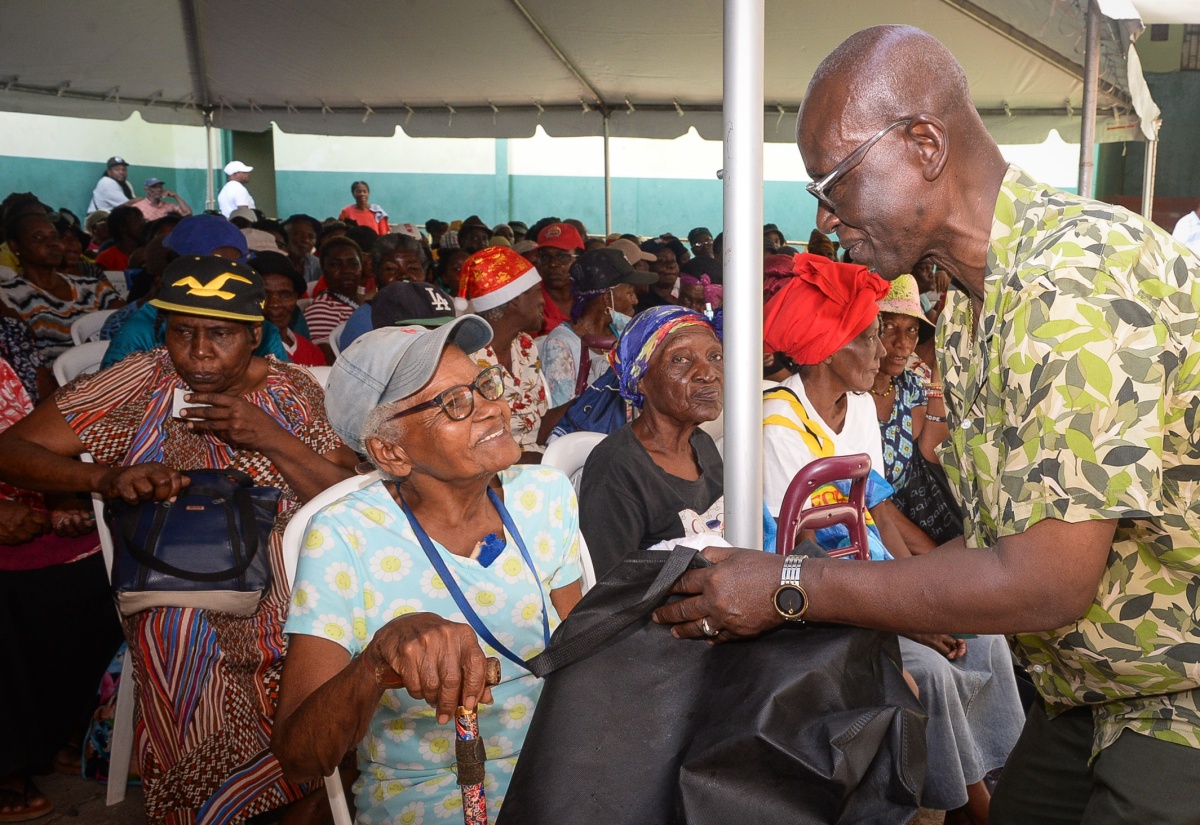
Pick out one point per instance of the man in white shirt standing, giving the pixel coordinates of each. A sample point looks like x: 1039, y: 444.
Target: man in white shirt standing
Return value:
x: 112, y: 190
x: 234, y: 193
x: 1187, y: 231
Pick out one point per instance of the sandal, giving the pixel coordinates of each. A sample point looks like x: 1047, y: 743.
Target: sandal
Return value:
x: 23, y: 805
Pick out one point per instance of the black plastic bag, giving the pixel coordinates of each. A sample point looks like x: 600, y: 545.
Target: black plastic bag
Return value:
x: 802, y: 725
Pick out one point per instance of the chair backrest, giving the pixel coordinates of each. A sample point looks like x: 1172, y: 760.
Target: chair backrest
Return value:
x: 78, y: 360
x: 106, y: 542
x: 335, y: 338
x: 852, y: 513
x: 321, y: 374
x: 293, y: 536
x: 88, y: 325
x: 569, y: 452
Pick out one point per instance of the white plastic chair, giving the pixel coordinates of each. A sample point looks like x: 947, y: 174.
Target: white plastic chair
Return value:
x: 86, y: 326
x: 321, y: 374
x: 335, y: 337
x: 121, y: 743
x: 569, y: 453
x: 293, y: 541
x: 78, y: 360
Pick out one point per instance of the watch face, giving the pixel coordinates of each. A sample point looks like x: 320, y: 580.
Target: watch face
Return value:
x: 790, y: 601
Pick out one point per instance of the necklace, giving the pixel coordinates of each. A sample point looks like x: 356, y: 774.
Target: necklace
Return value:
x: 888, y: 391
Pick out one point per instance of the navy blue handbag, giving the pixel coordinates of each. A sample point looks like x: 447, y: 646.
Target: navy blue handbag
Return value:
x: 207, y: 549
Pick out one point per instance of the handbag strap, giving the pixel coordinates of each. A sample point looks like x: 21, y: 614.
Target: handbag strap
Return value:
x: 588, y: 641
x: 247, y: 537
x: 460, y: 599
x: 585, y: 368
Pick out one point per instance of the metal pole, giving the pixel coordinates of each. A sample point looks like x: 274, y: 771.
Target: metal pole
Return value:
x: 607, y: 181
x: 743, y: 184
x: 1148, y: 179
x: 1091, y: 80
x: 210, y: 199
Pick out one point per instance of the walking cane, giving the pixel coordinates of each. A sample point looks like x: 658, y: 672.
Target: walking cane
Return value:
x: 472, y: 756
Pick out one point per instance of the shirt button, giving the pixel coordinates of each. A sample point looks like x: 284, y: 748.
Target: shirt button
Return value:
x: 966, y: 425
x: 1038, y: 669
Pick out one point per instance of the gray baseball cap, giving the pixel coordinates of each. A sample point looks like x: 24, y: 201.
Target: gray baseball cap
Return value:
x: 388, y: 364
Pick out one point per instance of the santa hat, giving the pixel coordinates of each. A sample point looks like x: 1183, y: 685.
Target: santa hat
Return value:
x: 493, y: 277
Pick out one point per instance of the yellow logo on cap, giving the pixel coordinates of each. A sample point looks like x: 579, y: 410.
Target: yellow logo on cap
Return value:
x: 213, y: 288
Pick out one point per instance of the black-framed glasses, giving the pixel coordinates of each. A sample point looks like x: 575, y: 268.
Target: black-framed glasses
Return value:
x: 562, y: 258
x: 818, y: 188
x: 459, y: 402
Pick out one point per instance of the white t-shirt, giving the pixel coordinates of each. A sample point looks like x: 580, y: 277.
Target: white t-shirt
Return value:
x: 107, y: 195
x: 784, y: 450
x: 233, y: 194
x: 1187, y: 231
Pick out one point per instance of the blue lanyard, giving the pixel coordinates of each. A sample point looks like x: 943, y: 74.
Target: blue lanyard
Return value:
x: 439, y: 564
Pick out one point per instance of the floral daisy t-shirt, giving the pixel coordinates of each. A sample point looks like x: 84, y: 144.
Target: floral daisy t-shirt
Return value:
x: 361, y: 567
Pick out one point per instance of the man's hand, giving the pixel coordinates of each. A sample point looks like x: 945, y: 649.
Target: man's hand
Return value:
x: 945, y: 644
x: 734, y: 594
x: 20, y: 523
x: 72, y: 522
x: 434, y: 659
x: 235, y: 421
x: 142, y: 482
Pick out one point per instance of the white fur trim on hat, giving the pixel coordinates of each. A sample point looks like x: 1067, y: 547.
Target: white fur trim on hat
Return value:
x: 506, y: 293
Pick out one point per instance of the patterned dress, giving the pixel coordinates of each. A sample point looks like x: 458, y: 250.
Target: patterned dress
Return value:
x: 207, y: 682
x: 1077, y: 397
x: 19, y: 349
x: 362, y: 566
x: 897, y: 431
x: 50, y: 317
x: 524, y: 390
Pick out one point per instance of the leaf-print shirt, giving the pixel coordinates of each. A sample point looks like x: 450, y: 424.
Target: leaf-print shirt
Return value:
x: 361, y: 566
x: 1077, y: 399
x: 524, y: 390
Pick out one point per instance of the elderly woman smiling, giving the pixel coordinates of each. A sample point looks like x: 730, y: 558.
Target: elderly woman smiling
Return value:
x: 400, y: 584
x: 660, y: 477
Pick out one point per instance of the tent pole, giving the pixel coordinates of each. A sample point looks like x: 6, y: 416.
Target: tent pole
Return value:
x: 210, y: 201
x: 1091, y: 80
x: 743, y: 220
x: 1148, y: 174
x: 607, y: 181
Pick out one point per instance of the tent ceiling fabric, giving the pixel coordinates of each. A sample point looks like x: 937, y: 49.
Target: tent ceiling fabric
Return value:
x: 473, y: 68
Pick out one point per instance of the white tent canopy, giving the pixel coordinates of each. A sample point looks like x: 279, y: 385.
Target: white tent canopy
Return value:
x: 499, y: 68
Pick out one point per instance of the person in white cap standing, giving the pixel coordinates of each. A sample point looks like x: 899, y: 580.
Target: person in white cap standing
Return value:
x: 234, y: 193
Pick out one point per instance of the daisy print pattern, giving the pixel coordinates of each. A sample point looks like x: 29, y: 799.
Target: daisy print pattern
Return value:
x: 341, y: 576
x: 371, y: 570
x: 390, y: 564
x: 304, y: 598
x: 529, y: 500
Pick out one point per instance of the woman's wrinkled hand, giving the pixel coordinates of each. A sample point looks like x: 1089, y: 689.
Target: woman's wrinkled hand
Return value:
x: 142, y: 482
x: 943, y: 643
x: 735, y: 594
x: 72, y: 522
x: 20, y: 523
x: 235, y: 421
x: 434, y: 659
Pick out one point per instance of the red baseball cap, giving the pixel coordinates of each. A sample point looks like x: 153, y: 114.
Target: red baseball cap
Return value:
x: 560, y: 236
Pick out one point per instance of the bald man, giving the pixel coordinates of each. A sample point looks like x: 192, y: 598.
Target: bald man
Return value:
x: 1070, y: 352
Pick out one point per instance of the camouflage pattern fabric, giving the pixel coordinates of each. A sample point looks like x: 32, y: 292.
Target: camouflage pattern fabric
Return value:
x: 1078, y: 398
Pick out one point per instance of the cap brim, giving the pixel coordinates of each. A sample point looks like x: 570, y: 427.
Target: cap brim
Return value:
x: 639, y: 278
x: 438, y: 321
x: 420, y: 361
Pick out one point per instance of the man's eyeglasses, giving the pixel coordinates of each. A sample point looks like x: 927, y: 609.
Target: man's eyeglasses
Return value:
x: 459, y: 402
x: 560, y: 258
x: 818, y: 188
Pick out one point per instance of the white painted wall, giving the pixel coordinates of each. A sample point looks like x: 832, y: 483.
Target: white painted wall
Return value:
x: 65, y: 138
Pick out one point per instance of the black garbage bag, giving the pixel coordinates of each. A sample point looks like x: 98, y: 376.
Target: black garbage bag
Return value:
x: 807, y: 724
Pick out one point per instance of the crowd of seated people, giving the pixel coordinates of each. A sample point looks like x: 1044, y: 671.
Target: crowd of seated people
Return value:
x: 460, y: 352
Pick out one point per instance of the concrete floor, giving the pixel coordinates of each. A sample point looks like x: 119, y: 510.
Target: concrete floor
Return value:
x: 79, y: 801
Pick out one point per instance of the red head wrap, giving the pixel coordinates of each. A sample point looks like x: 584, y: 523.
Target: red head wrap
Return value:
x: 822, y: 309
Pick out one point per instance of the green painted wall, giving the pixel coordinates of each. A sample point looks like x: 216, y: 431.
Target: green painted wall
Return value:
x: 68, y: 184
x: 641, y: 206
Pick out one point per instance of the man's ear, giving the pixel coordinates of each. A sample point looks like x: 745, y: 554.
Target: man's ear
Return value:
x: 389, y: 456
x: 256, y: 334
x: 933, y: 144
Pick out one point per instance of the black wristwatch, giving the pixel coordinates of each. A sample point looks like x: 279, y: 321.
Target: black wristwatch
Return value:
x: 791, y: 602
